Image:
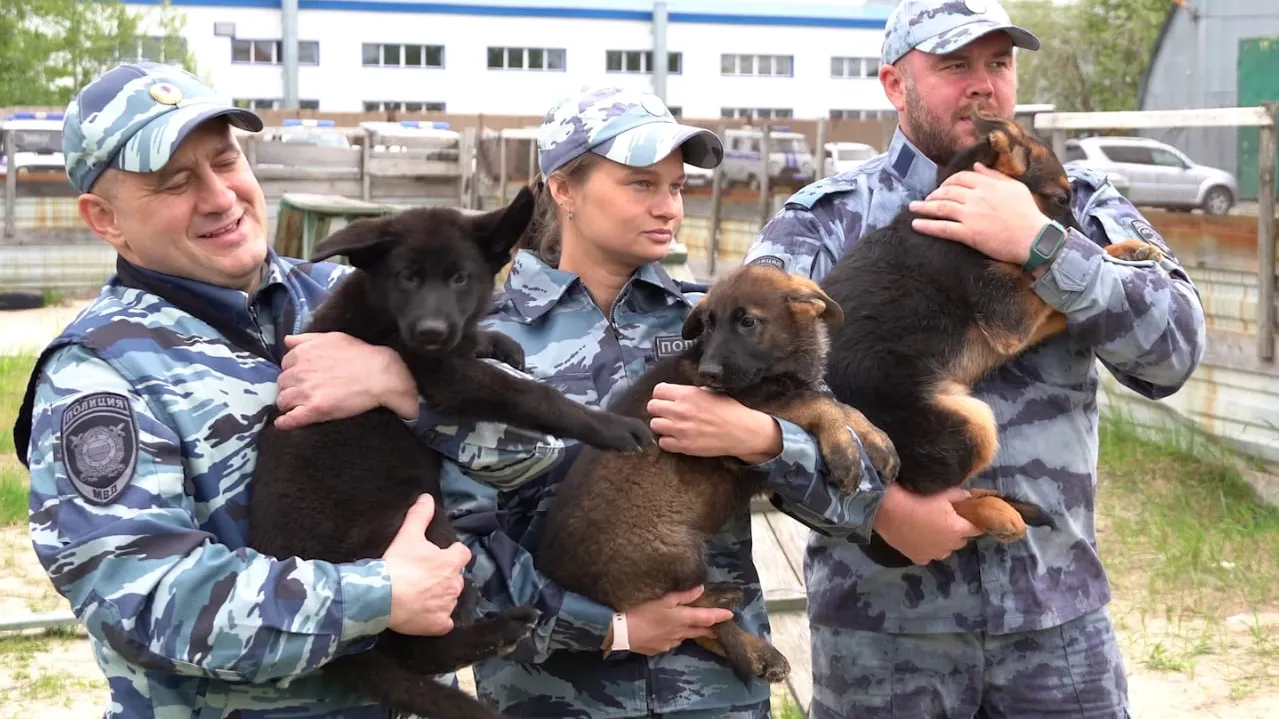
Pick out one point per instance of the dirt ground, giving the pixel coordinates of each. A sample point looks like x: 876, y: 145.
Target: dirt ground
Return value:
x: 56, y: 677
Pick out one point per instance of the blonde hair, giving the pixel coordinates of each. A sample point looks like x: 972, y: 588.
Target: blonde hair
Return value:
x: 543, y: 234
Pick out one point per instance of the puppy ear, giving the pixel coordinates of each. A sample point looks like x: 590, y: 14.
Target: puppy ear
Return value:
x: 497, y: 231
x: 808, y: 299
x: 363, y: 241
x: 695, y: 323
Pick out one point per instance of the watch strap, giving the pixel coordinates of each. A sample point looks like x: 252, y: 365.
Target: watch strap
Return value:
x: 1038, y: 255
x: 621, y: 637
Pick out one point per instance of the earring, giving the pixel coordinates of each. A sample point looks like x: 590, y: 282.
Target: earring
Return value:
x: 570, y: 215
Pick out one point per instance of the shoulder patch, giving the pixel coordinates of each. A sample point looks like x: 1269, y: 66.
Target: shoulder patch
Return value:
x: 1144, y: 230
x: 669, y: 345
x: 100, y: 445
x: 771, y: 261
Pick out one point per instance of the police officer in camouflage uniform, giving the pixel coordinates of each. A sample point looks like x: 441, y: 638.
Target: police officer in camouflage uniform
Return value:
x: 593, y: 308
x: 981, y: 628
x: 140, y: 420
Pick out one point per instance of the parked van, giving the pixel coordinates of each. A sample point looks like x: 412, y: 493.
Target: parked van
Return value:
x: 790, y: 160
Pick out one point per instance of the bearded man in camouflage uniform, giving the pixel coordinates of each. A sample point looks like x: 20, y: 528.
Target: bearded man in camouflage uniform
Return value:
x: 140, y: 421
x: 977, y: 628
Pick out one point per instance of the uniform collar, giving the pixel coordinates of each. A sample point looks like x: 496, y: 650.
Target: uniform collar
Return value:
x: 533, y: 287
x: 216, y: 298
x: 916, y: 171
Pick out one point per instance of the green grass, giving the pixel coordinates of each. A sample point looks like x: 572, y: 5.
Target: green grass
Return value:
x: 13, y: 476
x: 1188, y: 547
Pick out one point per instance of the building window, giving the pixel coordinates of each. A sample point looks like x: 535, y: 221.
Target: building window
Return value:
x: 769, y: 65
x: 756, y: 113
x: 525, y: 58
x: 272, y: 103
x: 402, y: 106
x: 155, y: 49
x: 397, y: 55
x: 271, y: 52
x: 854, y: 67
x: 640, y: 61
x: 862, y: 114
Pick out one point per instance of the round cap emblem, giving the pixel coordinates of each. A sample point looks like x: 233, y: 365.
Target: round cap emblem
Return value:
x: 166, y: 93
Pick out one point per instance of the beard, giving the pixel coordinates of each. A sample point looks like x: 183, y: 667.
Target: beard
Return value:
x: 935, y: 136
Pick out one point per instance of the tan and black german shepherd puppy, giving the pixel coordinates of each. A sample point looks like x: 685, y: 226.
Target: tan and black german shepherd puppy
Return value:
x: 629, y: 528
x: 932, y: 317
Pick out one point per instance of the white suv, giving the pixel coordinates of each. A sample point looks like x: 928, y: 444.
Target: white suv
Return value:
x: 1159, y: 175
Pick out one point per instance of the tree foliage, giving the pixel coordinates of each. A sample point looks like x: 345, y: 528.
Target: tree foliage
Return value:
x: 51, y: 48
x: 1094, y: 51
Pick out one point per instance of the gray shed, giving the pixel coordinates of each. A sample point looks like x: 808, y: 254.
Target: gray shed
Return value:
x: 1196, y: 64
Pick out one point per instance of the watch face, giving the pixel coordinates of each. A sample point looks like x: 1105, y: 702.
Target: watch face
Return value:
x: 1048, y: 239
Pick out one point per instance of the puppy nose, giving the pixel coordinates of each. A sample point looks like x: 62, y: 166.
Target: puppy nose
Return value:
x: 712, y: 371
x: 430, y: 332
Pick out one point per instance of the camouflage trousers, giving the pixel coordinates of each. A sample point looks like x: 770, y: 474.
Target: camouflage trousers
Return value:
x: 1073, y: 670
x: 754, y: 711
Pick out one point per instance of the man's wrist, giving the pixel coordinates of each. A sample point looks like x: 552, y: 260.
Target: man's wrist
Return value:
x: 1044, y: 246
x: 764, y: 439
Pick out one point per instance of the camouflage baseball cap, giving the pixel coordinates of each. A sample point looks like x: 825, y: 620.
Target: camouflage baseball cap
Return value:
x: 134, y: 116
x: 628, y: 126
x: 938, y: 27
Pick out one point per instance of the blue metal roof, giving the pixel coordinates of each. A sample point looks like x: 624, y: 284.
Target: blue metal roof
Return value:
x: 802, y: 13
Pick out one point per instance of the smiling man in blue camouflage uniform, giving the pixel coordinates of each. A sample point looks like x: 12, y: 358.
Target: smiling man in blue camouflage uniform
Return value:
x: 991, y: 630
x: 553, y: 309
x: 142, y: 417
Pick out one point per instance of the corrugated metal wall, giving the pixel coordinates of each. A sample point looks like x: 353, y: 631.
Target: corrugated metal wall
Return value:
x: 1196, y: 66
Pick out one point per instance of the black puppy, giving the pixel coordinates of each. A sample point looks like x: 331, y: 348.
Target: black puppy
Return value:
x: 926, y: 318
x: 338, y: 491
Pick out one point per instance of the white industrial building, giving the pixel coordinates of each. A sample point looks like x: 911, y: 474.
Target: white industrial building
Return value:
x: 727, y: 58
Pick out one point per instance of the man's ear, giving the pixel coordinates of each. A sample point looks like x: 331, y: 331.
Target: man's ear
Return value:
x: 363, y: 242
x: 99, y: 215
x: 497, y: 231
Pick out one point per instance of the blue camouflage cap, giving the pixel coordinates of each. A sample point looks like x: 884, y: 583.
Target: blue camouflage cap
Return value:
x: 134, y: 116
x: 938, y: 27
x: 628, y: 126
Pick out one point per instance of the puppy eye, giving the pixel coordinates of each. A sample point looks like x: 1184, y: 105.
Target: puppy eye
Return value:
x: 459, y: 279
x: 747, y: 321
x: 408, y: 275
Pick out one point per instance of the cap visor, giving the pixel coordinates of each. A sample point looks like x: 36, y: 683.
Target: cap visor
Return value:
x: 649, y: 144
x: 152, y: 146
x: 952, y: 40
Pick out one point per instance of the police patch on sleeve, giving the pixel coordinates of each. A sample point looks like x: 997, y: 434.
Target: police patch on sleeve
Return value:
x: 100, y: 445
x: 1144, y: 231
x: 771, y: 261
x: 669, y: 345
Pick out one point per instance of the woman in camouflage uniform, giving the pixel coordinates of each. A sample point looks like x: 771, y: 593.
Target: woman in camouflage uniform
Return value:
x: 593, y: 308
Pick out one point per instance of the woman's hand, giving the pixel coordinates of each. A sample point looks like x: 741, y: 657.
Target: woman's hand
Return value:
x: 695, y: 421
x: 663, y: 624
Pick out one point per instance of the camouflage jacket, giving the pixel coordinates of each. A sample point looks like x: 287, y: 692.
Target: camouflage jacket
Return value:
x: 143, y: 416
x: 593, y: 357
x: 1145, y: 324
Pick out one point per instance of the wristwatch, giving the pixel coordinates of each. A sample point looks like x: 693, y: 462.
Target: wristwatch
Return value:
x: 1046, y: 244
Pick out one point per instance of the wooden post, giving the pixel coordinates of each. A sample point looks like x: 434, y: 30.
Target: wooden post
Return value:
x: 501, y: 168
x: 10, y: 187
x: 765, y: 185
x: 717, y: 203
x: 477, y: 168
x: 819, y: 152
x: 463, y: 163
x: 366, y: 151
x: 1266, y: 239
x: 1059, y: 145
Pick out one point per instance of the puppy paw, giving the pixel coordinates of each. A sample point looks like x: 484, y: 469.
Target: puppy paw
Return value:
x: 771, y: 665
x: 515, y: 626
x: 1135, y: 251
x: 495, y: 345
x: 622, y: 434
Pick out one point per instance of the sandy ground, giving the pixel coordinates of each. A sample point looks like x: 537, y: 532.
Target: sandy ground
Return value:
x: 56, y: 677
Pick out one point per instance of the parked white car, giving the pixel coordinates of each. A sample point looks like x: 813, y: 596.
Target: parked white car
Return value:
x: 1158, y: 174
x: 845, y: 156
